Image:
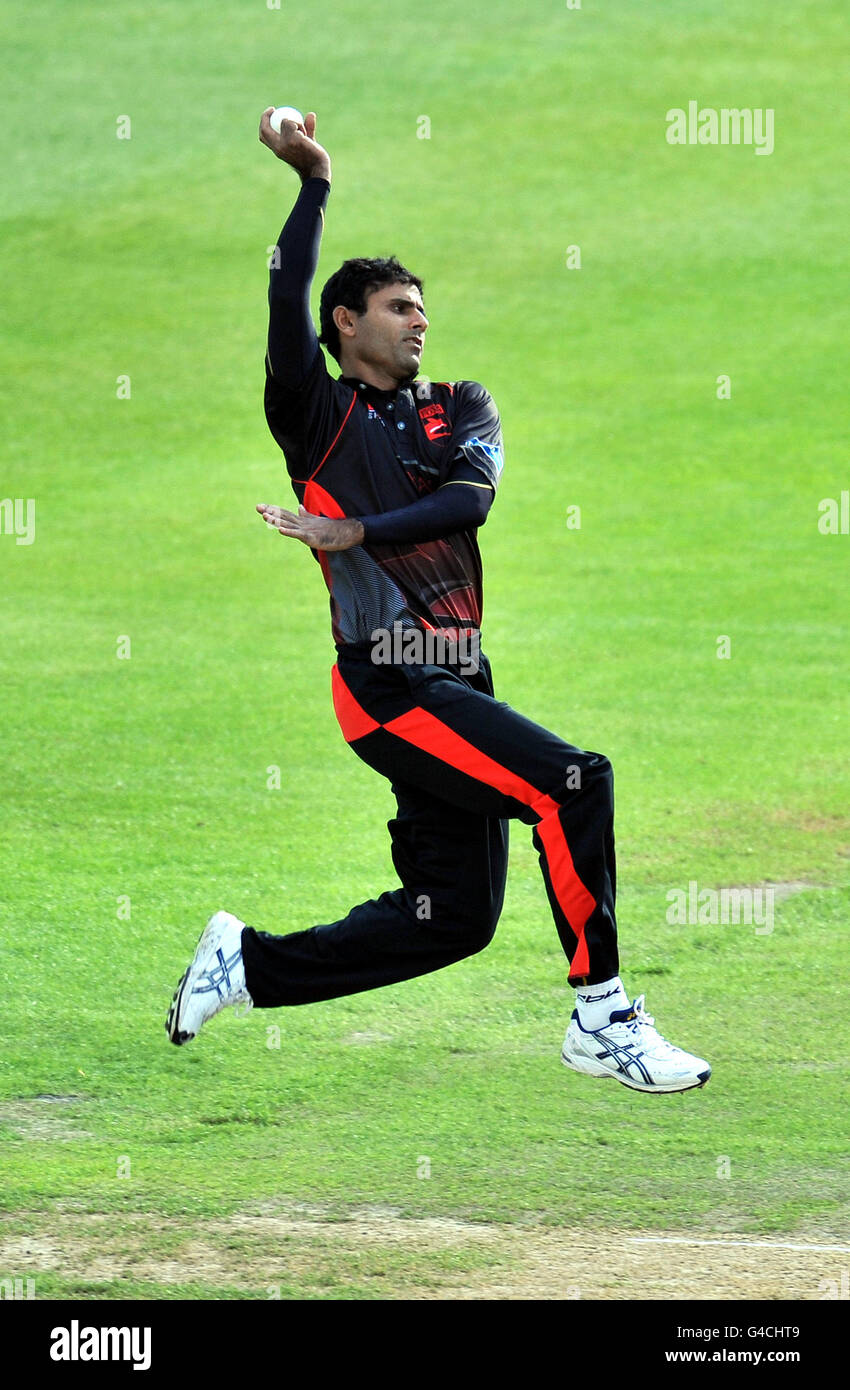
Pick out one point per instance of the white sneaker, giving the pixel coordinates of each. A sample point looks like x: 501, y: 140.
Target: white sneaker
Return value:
x: 631, y: 1050
x: 215, y: 979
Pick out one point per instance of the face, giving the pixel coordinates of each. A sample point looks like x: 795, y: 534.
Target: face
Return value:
x: 389, y: 338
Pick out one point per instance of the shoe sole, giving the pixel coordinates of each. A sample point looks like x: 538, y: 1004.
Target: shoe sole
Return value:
x: 177, y: 1036
x: 605, y: 1075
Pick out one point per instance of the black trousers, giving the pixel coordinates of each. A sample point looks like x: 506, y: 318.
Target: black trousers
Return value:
x: 462, y: 764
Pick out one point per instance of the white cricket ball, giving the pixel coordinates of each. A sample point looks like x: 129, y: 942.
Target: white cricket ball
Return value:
x: 284, y: 113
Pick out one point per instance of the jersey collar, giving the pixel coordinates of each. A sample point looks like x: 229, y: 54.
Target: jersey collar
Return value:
x: 377, y: 391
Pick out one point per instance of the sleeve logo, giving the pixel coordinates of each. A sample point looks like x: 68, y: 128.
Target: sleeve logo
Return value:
x: 491, y: 451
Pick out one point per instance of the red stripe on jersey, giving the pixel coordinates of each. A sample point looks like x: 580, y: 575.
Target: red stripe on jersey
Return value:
x: 320, y: 502
x: 332, y: 445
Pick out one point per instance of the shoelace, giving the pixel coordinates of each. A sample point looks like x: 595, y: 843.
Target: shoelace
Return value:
x: 641, y: 1016
x: 654, y: 1038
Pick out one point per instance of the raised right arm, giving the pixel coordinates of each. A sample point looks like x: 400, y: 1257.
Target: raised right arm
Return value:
x: 292, y: 340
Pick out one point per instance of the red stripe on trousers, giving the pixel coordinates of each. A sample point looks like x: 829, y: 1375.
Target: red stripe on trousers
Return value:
x: 575, y: 901
x: 425, y: 731
x: 351, y: 717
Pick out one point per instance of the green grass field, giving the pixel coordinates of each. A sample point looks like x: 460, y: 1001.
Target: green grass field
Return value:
x: 134, y: 791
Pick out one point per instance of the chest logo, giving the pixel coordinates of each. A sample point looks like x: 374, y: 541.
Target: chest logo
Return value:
x: 434, y: 422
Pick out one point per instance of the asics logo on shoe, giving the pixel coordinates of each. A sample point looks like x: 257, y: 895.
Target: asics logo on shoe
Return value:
x: 624, y: 1057
x: 215, y: 978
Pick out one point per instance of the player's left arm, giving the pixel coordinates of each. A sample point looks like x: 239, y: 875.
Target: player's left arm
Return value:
x: 460, y: 503
x: 470, y: 476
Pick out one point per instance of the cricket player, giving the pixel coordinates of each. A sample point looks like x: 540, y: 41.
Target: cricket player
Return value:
x: 394, y: 474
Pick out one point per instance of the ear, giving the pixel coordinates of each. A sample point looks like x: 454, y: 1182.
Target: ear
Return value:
x: 344, y: 319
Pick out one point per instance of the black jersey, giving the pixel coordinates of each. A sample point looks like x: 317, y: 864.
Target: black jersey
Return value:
x: 353, y: 450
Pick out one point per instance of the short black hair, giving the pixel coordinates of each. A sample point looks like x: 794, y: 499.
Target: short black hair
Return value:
x: 351, y: 284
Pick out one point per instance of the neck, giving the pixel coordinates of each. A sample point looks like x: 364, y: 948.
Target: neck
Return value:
x: 373, y: 376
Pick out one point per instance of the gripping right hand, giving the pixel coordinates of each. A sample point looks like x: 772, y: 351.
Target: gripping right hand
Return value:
x: 296, y: 145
